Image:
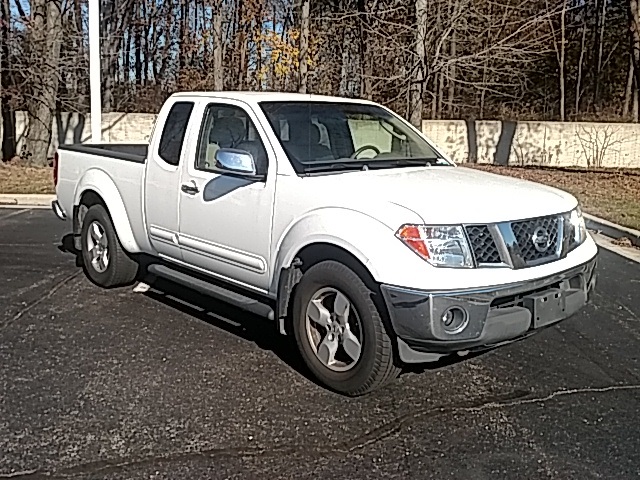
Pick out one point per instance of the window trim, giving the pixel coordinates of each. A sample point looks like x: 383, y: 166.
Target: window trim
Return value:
x: 261, y: 177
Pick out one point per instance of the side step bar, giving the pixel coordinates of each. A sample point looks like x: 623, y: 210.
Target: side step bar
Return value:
x: 237, y: 300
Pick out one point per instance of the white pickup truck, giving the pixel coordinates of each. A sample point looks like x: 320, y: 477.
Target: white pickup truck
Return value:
x: 337, y: 220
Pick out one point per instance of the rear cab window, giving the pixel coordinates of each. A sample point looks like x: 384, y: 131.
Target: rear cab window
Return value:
x: 174, y: 132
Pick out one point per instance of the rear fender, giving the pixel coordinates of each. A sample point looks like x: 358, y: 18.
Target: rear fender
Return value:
x: 100, y: 182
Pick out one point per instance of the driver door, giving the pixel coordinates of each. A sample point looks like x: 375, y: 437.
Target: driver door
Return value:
x: 226, y: 218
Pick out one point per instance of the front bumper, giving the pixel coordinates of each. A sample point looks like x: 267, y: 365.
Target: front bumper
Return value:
x: 494, y: 315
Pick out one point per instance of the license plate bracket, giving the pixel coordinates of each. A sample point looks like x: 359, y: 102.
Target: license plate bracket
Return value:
x: 546, y: 307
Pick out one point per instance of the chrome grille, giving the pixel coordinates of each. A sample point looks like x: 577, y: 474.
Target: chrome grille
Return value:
x: 519, y: 244
x: 538, y: 238
x: 483, y: 245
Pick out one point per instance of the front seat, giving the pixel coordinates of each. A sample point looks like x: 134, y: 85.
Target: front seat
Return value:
x: 304, y: 143
x: 227, y: 132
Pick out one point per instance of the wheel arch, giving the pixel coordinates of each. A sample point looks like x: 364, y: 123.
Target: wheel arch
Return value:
x: 96, y: 187
x: 310, y: 255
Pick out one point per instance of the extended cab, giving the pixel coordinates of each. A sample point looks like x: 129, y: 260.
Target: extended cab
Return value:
x: 337, y: 220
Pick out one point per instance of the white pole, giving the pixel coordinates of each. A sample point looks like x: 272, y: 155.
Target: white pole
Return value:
x: 94, y: 71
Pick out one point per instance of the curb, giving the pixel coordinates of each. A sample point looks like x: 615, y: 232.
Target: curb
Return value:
x: 25, y: 200
x: 611, y: 229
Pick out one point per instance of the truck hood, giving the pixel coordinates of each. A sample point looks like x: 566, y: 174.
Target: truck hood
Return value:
x: 446, y: 195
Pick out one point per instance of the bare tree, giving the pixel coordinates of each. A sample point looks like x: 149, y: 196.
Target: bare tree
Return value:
x: 419, y: 77
x: 44, y: 40
x: 218, y: 54
x: 560, y: 49
x: 634, y: 27
x: 601, y: 29
x: 304, y: 45
x: 8, y: 116
x: 583, y: 42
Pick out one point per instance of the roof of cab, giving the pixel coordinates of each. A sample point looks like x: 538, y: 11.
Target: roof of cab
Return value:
x: 256, y: 97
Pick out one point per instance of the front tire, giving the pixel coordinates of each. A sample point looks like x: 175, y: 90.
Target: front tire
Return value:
x: 339, y: 331
x: 105, y: 261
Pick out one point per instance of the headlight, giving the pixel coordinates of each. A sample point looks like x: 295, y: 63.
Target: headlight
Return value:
x: 578, y: 229
x: 441, y: 246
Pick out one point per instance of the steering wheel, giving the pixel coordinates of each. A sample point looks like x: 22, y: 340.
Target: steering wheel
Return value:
x: 364, y: 148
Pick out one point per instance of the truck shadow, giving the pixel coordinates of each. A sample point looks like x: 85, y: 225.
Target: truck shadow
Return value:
x: 260, y: 331
x: 67, y: 246
x: 222, y: 316
x: 247, y: 326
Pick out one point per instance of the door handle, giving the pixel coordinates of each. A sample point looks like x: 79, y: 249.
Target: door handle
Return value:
x: 189, y: 188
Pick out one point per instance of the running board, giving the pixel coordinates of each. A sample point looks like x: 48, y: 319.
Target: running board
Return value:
x: 237, y: 300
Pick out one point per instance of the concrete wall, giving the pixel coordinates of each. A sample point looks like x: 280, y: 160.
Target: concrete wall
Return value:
x: 541, y: 143
x: 521, y: 143
x: 76, y: 128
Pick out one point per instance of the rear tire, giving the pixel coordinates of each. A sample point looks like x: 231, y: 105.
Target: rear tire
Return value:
x: 105, y: 261
x: 339, y: 331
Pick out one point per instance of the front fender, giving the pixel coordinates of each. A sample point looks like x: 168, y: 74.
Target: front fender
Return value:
x: 100, y: 182
x: 372, y: 242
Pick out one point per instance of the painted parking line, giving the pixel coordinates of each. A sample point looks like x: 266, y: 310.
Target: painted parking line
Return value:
x: 13, y: 214
x: 13, y: 206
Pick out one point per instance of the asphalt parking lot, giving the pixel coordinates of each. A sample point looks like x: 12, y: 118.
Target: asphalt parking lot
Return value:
x: 168, y: 384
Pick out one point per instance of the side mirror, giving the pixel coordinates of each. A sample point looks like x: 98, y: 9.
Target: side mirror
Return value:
x: 235, y: 161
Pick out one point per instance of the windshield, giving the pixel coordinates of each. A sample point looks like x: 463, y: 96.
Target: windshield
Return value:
x: 323, y: 136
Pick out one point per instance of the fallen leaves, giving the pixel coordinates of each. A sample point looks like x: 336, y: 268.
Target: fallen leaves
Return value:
x: 23, y: 179
x: 613, y: 194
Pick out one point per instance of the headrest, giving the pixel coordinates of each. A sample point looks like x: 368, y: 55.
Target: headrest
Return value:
x: 302, y: 133
x: 227, y: 132
x: 314, y: 134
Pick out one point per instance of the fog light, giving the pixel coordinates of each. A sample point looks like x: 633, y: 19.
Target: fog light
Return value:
x: 454, y: 320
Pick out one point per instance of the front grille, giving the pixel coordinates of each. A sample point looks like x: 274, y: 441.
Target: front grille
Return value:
x: 537, y: 239
x: 483, y: 245
x: 518, y: 244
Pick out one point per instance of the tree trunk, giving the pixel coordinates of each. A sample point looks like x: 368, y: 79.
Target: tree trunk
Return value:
x: 166, y: 57
x: 440, y: 94
x: 304, y: 47
x: 417, y: 87
x: 561, y: 60
x: 628, y: 93
x: 452, y: 76
x: 349, y: 63
x: 243, y: 71
x: 144, y: 41
x: 107, y: 8
x: 603, y: 21
x: 580, y: 66
x: 365, y: 51
x: 8, y: 115
x: 241, y: 44
x: 182, y: 44
x: 634, y: 26
x: 138, y: 47
x: 45, y: 39
x: 218, y: 57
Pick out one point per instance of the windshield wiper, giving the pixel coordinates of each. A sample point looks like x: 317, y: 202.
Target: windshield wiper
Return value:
x: 334, y: 166
x: 370, y: 164
x: 404, y: 162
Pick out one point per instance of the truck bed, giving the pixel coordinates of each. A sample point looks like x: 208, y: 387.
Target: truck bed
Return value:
x: 113, y: 171
x: 131, y: 152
